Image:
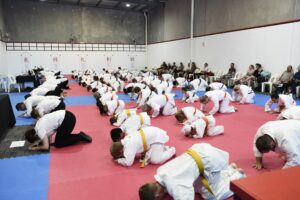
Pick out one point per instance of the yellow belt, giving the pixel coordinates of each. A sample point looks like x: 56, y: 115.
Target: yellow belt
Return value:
x: 141, y: 119
x: 145, y: 147
x: 198, y: 160
x: 128, y: 113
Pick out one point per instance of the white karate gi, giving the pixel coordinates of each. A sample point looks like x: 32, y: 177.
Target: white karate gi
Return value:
x: 244, y: 95
x: 109, y: 96
x: 192, y: 114
x: 199, y: 84
x: 135, y: 122
x: 202, y: 128
x: 157, y: 153
x: 115, y: 106
x: 190, y: 96
x: 165, y: 102
x: 218, y: 86
x: 284, y: 100
x: 122, y: 116
x: 181, y: 176
x: 290, y: 113
x: 167, y: 77
x: 286, y: 134
x: 221, y: 101
x: 180, y: 81
x: 39, y: 91
x: 144, y: 96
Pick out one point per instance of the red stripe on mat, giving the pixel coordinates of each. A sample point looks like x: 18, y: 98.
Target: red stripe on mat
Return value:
x: 87, y: 171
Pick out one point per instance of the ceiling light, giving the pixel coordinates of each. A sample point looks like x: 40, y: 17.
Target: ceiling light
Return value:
x: 128, y: 5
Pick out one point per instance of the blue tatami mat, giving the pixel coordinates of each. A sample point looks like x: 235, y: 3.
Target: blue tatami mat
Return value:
x: 24, y: 178
x: 79, y: 100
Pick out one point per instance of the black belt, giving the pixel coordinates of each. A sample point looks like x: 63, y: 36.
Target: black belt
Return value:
x: 222, y: 86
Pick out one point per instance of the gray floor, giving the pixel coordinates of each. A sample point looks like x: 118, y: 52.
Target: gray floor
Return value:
x: 15, y: 134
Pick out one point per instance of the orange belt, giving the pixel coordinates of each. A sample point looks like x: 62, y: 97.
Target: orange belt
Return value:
x: 206, y: 123
x: 167, y: 99
x: 118, y: 104
x: 128, y: 112
x: 195, y: 111
x: 225, y: 94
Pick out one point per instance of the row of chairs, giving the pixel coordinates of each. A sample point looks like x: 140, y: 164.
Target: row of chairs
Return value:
x: 7, y: 81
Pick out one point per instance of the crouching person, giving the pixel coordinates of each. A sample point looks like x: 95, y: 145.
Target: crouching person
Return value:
x: 149, y: 142
x: 202, y: 169
x: 62, y: 122
x: 205, y: 126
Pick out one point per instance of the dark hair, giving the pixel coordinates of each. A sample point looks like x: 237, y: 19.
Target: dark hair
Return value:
x: 101, y: 109
x: 274, y: 96
x: 136, y: 89
x: 263, y: 143
x: 113, y: 120
x: 115, y: 134
x: 31, y: 136
x: 180, y: 116
x: 34, y: 113
x: 89, y: 88
x: 147, y: 192
x: 208, y: 88
x: 19, y: 105
x: 175, y: 82
x: 203, y: 99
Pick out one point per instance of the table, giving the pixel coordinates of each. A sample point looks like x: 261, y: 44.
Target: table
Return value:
x: 7, y: 117
x: 26, y: 78
x: 275, y: 185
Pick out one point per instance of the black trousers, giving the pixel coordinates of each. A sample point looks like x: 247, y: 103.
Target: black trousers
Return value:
x: 56, y: 92
x: 60, y: 106
x: 63, y: 136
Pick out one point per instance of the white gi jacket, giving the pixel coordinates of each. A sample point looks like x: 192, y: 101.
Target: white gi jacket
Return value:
x: 244, y: 95
x: 290, y: 113
x: 192, y: 113
x: 165, y: 101
x: 115, y: 106
x: 284, y: 100
x: 181, y: 175
x: 122, y: 116
x: 135, y: 122
x: 218, y: 86
x: 286, y: 134
x: 133, y: 144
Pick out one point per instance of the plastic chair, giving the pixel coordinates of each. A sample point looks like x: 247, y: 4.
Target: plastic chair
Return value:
x: 298, y: 91
x: 3, y: 82
x: 269, y: 84
x: 236, y: 77
x: 11, y: 81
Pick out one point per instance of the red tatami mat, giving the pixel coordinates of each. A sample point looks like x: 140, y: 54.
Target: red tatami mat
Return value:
x: 77, y: 90
x: 87, y: 171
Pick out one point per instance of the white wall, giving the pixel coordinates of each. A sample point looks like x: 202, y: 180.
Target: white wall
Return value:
x: 70, y: 60
x: 3, y: 68
x: 274, y: 47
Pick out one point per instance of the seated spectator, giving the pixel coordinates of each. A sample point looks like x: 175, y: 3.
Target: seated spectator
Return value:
x: 248, y: 74
x: 255, y: 76
x: 229, y: 75
x: 296, y: 81
x: 284, y: 83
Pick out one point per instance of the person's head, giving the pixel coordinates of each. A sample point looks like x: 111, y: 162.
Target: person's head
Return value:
x: 89, y: 88
x: 128, y: 90
x: 258, y: 66
x: 205, y: 64
x: 146, y: 108
x: 231, y: 65
x: 204, y: 99
x: 117, y: 134
x: 188, y: 130
x: 236, y: 88
x: 136, y: 90
x: 102, y: 108
x: 35, y: 114
x: 20, y: 106
x: 180, y: 116
x: 31, y: 136
x: 175, y: 83
x: 134, y: 80
x: 275, y: 97
x: 251, y: 67
x: 299, y: 68
x: 289, y: 68
x: 113, y: 119
x: 151, y: 191
x: 116, y: 150
x: 265, y: 143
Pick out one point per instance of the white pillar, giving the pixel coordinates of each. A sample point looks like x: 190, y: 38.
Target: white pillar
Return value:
x: 146, y: 38
x: 192, y: 32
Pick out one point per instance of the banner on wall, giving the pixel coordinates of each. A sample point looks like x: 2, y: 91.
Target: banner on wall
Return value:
x: 26, y: 62
x: 83, y: 61
x: 108, y: 60
x: 55, y: 61
x: 132, y: 61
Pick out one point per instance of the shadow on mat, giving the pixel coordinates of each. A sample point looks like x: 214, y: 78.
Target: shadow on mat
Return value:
x: 16, y: 134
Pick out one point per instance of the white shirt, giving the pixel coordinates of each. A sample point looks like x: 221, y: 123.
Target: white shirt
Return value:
x: 32, y: 101
x: 47, y: 105
x: 48, y: 124
x: 135, y: 122
x: 179, y: 175
x: 133, y: 144
x: 286, y: 134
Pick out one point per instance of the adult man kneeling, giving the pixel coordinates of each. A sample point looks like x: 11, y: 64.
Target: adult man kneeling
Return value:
x: 62, y: 122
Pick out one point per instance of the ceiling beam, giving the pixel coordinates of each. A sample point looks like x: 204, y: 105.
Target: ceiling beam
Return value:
x: 136, y: 6
x: 78, y: 2
x: 150, y: 3
x: 117, y: 5
x: 98, y: 3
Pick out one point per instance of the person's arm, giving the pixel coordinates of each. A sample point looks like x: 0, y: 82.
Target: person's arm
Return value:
x: 258, y: 163
x: 156, y: 109
x: 215, y: 108
x: 268, y: 106
x: 292, y: 154
x: 42, y: 145
x: 258, y: 156
x: 129, y: 155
